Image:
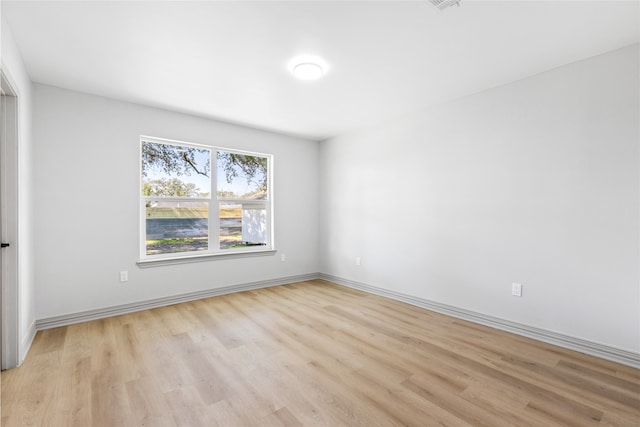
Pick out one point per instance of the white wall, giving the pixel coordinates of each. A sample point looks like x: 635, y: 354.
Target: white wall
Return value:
x: 14, y: 70
x: 535, y: 182
x: 87, y: 176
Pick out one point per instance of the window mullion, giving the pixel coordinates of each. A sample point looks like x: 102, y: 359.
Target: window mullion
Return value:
x: 214, y: 206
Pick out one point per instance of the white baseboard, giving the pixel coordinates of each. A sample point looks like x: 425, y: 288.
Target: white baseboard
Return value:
x: 594, y: 349
x: 101, y: 313
x: 27, y: 340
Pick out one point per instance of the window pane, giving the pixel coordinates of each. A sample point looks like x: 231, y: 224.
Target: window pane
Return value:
x: 241, y: 176
x: 176, y: 227
x: 175, y: 171
x: 242, y: 225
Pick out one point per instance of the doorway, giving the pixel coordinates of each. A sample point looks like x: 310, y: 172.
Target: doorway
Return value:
x: 9, y: 308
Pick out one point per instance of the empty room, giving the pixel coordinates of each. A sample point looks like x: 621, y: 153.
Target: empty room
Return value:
x: 320, y: 213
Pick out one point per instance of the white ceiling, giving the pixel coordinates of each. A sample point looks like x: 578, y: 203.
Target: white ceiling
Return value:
x: 228, y: 60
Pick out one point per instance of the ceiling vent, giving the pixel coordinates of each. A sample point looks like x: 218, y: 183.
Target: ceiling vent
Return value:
x: 443, y: 4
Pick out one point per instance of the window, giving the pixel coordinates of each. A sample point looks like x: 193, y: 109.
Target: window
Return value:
x: 180, y: 214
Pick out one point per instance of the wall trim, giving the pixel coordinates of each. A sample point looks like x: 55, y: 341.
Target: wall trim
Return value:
x: 101, y: 313
x: 577, y: 344
x: 160, y: 262
x: 583, y: 346
x: 27, y: 341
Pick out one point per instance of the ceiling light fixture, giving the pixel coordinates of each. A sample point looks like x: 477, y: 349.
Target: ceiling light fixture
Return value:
x: 307, y: 67
x: 308, y: 71
x: 443, y: 4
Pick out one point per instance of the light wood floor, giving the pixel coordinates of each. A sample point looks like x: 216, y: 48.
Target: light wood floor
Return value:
x: 308, y: 354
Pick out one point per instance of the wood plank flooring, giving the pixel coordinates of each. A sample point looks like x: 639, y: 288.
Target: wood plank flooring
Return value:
x: 308, y: 354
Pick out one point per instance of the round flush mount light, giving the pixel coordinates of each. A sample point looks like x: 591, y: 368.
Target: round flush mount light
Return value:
x: 307, y: 67
x: 308, y: 71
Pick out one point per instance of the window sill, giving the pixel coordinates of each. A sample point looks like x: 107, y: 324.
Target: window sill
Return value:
x: 147, y: 263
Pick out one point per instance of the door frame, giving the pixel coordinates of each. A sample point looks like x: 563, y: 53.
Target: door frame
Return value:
x: 10, y: 300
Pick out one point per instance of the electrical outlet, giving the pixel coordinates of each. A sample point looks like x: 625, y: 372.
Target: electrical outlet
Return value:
x: 516, y: 289
x: 124, y: 276
x: 283, y: 257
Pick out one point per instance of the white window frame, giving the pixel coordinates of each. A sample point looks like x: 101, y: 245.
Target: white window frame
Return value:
x: 214, y: 250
